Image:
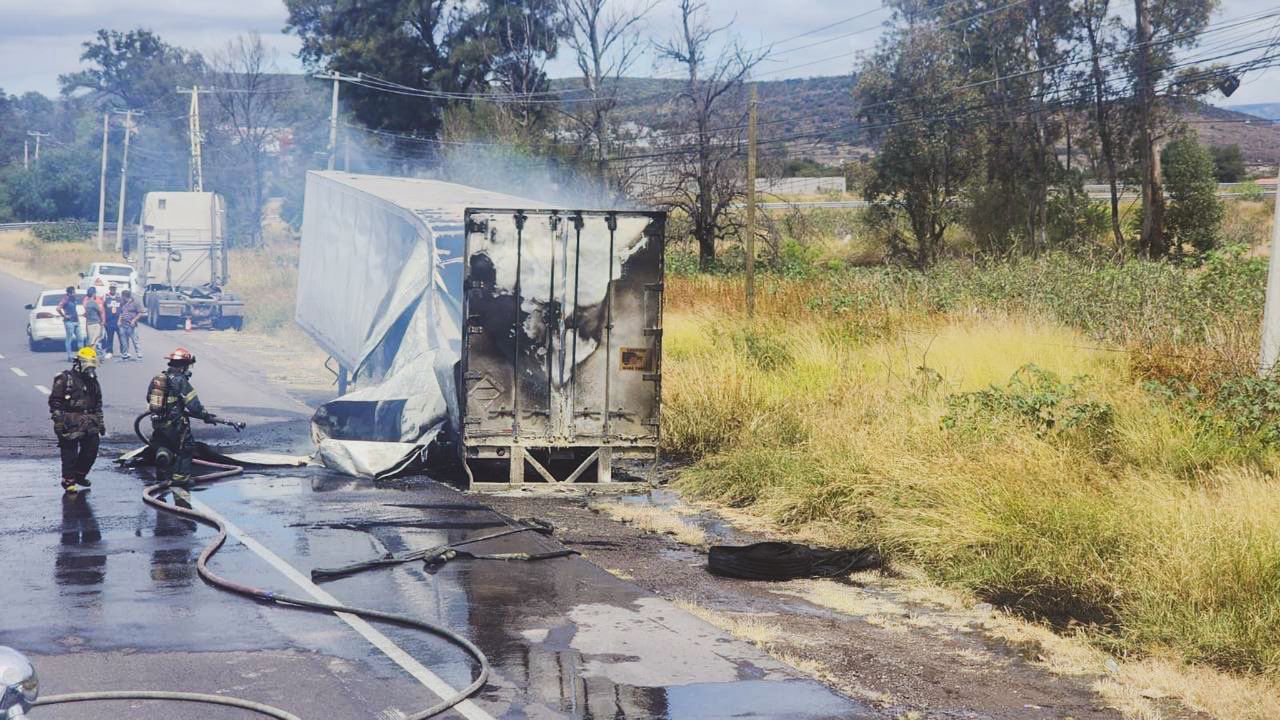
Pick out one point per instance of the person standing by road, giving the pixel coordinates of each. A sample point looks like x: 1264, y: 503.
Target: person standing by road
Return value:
x: 93, y: 314
x: 172, y: 403
x: 75, y: 404
x: 70, y: 312
x: 111, y: 307
x: 130, y: 313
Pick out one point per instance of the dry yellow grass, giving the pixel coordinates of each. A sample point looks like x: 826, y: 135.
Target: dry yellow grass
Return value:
x: 755, y: 629
x: 1138, y: 688
x: 656, y: 520
x: 51, y: 264
x: 1153, y: 534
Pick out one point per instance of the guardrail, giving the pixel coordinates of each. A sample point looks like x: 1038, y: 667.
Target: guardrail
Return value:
x: 855, y: 204
x: 29, y: 225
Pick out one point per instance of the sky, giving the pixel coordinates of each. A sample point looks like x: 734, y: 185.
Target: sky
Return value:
x: 41, y: 39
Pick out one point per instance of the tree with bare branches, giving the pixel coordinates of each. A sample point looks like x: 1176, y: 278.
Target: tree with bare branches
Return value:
x: 706, y: 178
x: 605, y: 42
x: 249, y: 97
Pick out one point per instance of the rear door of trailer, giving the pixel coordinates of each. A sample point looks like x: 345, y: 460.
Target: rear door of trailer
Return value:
x: 562, y: 336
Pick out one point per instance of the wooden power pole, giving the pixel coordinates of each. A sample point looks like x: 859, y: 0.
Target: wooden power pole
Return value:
x: 1152, y: 239
x: 1271, y: 311
x: 750, y: 241
x: 196, y: 181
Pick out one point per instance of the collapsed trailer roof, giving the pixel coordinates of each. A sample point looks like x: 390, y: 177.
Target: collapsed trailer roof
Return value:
x: 371, y: 245
x: 564, y: 319
x: 379, y: 288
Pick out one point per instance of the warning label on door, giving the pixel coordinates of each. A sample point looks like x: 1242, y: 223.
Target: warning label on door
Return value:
x: 635, y: 359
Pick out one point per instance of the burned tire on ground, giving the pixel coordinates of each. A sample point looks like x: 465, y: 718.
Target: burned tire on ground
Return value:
x: 778, y: 561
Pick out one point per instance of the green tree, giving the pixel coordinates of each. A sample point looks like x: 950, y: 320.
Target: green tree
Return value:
x: 908, y: 91
x: 431, y: 46
x: 1195, y: 214
x: 1016, y: 59
x: 1161, y: 29
x: 62, y: 185
x: 1228, y: 163
x: 134, y: 69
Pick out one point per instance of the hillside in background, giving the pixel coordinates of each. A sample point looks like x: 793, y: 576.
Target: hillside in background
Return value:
x: 1258, y: 139
x: 1270, y: 111
x: 821, y: 110
x: 811, y: 117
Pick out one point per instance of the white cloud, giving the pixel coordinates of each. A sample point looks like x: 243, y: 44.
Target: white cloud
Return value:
x: 40, y: 39
x: 53, y: 32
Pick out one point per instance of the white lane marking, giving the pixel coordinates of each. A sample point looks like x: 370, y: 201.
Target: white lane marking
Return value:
x: 1, y: 357
x: 433, y: 682
x: 43, y: 389
x: 18, y: 371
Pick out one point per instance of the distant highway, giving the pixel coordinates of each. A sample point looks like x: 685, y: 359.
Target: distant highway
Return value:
x: 1097, y: 192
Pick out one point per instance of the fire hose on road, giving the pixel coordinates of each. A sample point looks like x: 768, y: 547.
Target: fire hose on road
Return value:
x: 151, y: 495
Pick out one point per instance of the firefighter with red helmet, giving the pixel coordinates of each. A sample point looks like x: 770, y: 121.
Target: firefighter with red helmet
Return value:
x: 172, y: 402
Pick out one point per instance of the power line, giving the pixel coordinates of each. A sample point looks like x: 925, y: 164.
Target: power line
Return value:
x: 837, y: 23
x: 1217, y: 27
x: 818, y: 135
x: 959, y: 114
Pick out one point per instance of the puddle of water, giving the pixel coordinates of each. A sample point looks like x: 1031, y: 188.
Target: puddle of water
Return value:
x: 716, y: 528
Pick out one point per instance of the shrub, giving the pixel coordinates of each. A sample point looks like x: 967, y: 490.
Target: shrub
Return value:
x: 1243, y: 408
x: 1195, y: 213
x: 1037, y: 398
x: 898, y: 408
x: 1249, y: 191
x: 64, y: 231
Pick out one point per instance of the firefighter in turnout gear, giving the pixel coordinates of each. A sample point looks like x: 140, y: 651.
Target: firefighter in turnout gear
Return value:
x: 172, y: 402
x: 75, y: 403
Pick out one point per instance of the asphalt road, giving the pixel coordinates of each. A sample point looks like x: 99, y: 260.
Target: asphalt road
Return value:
x: 101, y: 590
x: 227, y: 387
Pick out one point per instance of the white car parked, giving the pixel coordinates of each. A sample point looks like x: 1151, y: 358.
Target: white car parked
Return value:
x: 44, y: 325
x: 104, y: 275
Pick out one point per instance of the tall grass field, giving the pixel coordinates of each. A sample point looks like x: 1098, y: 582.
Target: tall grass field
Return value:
x: 1084, y: 443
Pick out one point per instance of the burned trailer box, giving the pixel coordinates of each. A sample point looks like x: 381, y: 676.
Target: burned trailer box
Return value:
x: 380, y: 290
x: 561, y: 357
x: 389, y: 269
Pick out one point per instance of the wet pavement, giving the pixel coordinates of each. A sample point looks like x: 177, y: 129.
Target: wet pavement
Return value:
x: 227, y: 385
x: 102, y: 592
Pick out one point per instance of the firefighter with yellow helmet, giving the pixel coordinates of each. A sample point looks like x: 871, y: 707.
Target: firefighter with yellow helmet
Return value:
x: 172, y: 401
x: 75, y: 404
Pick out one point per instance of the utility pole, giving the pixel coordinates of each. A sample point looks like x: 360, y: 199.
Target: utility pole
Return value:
x: 196, y: 181
x: 333, y: 115
x: 26, y: 164
x: 102, y: 181
x: 124, y: 175
x: 333, y: 124
x: 1152, y: 241
x: 37, y: 136
x: 751, y: 207
x: 1271, y: 311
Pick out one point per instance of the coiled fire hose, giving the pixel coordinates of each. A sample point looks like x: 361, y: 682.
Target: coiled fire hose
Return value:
x: 151, y: 496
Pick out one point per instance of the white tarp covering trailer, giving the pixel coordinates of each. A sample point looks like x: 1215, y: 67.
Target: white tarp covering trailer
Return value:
x: 559, y: 368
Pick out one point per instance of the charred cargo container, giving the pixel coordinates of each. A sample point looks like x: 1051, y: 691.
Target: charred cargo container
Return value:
x: 524, y: 337
x: 562, y: 340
